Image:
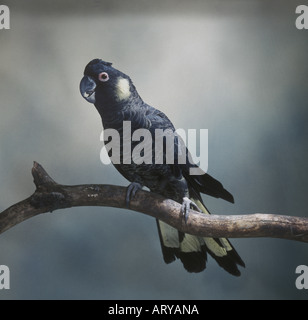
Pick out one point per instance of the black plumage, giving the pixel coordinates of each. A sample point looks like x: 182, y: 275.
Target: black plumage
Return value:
x: 117, y: 100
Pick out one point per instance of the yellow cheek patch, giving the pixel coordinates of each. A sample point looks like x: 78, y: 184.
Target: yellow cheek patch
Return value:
x: 122, y: 89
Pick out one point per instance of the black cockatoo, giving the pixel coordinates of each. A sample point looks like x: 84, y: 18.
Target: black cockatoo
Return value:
x: 117, y: 100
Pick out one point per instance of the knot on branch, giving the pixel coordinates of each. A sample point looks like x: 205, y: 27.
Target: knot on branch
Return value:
x: 40, y: 177
x: 51, y: 200
x: 48, y: 194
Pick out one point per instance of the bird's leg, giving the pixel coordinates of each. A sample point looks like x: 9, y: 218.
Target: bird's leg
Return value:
x: 131, y: 191
x: 186, y: 206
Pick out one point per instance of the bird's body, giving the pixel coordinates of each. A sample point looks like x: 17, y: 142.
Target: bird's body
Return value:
x: 157, y: 177
x: 117, y: 100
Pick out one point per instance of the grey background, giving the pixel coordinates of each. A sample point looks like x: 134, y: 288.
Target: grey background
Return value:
x: 237, y: 68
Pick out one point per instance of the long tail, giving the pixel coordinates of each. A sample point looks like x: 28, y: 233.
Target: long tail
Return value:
x: 192, y: 250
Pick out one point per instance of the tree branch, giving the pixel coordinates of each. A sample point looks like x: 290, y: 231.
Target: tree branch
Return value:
x: 50, y: 196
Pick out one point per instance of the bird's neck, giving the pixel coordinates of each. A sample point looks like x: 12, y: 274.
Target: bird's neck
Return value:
x: 113, y: 113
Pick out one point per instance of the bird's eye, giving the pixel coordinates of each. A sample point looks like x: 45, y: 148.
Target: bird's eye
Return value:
x: 103, y: 76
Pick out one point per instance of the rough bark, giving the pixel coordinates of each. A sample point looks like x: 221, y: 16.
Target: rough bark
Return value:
x: 50, y: 196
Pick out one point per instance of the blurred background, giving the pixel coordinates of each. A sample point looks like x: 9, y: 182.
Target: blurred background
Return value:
x: 237, y: 68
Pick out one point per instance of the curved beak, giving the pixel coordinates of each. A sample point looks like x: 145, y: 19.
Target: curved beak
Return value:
x: 87, y: 89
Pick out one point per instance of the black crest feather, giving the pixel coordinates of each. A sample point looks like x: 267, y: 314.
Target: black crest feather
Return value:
x: 95, y: 61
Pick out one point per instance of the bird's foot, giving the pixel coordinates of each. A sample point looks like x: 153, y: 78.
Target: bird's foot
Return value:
x: 131, y: 191
x: 186, y: 206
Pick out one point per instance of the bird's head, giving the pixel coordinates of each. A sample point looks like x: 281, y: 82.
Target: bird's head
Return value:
x: 102, y: 84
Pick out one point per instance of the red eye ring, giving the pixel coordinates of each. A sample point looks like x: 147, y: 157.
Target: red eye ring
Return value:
x: 103, y: 76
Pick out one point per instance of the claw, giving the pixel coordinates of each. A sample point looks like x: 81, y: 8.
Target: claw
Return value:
x: 131, y: 191
x: 186, y: 206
